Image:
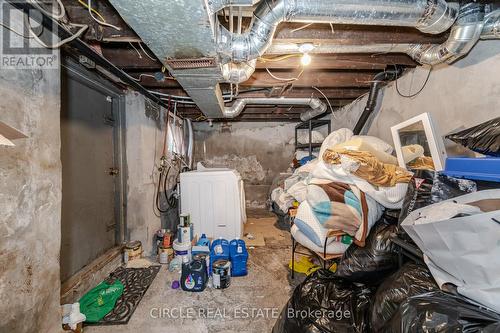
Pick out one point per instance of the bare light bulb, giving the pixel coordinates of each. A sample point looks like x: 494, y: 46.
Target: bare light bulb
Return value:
x: 305, y: 59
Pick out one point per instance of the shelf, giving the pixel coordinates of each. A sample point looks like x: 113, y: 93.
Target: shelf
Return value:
x: 306, y: 146
x: 314, y: 124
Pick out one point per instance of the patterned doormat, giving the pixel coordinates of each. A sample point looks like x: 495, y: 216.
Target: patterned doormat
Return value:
x: 136, y: 282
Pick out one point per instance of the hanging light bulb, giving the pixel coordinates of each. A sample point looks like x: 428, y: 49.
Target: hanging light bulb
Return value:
x: 305, y: 59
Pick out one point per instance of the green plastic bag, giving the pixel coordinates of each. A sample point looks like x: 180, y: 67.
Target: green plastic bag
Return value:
x: 99, y: 301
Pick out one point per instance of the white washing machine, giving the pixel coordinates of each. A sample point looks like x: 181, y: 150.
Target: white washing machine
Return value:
x: 215, y: 199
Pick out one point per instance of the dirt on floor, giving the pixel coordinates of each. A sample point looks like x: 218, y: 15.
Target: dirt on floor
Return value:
x: 251, y: 304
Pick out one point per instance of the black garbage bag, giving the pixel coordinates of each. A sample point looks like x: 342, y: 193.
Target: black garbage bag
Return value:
x: 410, y: 280
x: 483, y: 138
x: 376, y: 260
x: 439, y: 312
x: 428, y: 187
x: 327, y: 304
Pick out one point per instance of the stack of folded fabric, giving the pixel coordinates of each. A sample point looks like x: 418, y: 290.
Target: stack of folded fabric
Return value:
x: 346, y: 191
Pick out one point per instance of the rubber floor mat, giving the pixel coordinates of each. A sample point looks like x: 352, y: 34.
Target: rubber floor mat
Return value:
x: 136, y: 282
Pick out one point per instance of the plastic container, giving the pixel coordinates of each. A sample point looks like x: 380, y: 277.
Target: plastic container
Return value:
x: 238, y: 255
x: 194, y: 276
x: 183, y: 251
x: 215, y: 200
x: 219, y: 250
x: 483, y: 168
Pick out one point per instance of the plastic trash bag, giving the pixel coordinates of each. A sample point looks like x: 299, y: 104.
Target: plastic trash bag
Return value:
x: 439, y: 312
x: 327, y: 304
x: 99, y: 301
x: 409, y: 280
x: 374, y: 262
x: 483, y: 138
x: 429, y: 187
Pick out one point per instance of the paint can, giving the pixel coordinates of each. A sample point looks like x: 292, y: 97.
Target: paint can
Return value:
x: 182, y: 250
x: 221, y: 274
x: 133, y: 250
x: 165, y: 254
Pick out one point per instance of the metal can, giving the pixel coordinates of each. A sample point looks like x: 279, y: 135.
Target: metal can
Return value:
x: 165, y: 254
x: 221, y: 274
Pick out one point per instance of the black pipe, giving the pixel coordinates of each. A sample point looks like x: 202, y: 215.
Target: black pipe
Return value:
x: 375, y: 86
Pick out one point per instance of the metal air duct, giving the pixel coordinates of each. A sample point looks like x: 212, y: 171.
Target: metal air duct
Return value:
x: 238, y: 106
x: 430, y: 16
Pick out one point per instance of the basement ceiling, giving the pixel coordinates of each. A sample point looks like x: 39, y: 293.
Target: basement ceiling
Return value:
x: 341, y: 77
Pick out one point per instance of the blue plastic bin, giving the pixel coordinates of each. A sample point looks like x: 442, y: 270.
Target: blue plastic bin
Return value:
x: 483, y: 168
x: 218, y: 250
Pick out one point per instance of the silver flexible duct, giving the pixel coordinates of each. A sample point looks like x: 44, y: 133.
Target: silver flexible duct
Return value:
x: 238, y: 106
x: 430, y: 16
x: 491, y: 28
x: 237, y: 72
x: 463, y: 36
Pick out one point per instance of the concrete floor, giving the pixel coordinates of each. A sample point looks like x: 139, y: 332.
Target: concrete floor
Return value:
x: 251, y: 304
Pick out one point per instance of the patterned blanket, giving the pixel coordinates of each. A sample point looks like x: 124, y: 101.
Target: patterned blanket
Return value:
x: 339, y: 209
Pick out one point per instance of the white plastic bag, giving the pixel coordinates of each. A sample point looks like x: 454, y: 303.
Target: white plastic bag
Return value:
x: 463, y: 250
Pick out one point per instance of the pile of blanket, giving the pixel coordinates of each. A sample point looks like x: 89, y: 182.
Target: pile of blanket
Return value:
x: 343, y: 192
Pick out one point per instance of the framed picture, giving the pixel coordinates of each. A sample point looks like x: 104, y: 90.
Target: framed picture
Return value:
x: 418, y: 145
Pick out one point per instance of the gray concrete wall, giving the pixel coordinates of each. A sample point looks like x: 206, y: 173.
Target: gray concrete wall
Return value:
x: 144, y: 139
x: 30, y: 203
x: 258, y: 151
x: 459, y: 95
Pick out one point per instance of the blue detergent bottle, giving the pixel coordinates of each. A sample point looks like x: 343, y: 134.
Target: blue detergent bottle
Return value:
x: 218, y: 250
x: 239, y: 256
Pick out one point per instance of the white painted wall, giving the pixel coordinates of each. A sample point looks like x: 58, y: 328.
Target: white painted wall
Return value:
x: 459, y: 95
x: 143, y: 150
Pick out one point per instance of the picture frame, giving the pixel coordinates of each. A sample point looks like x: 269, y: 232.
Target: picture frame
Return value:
x: 435, y: 144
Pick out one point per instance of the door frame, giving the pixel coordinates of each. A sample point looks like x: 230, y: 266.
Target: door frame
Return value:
x: 78, y: 72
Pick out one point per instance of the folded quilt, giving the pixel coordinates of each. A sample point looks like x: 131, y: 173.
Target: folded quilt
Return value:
x: 337, y: 207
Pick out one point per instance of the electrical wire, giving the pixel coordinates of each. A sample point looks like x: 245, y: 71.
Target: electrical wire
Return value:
x: 284, y: 79
x: 140, y: 77
x: 62, y: 42
x: 15, y: 31
x: 62, y: 10
x: 101, y: 22
x: 136, y: 50
x: 147, y: 55
x: 302, y: 27
x: 84, y: 4
x: 419, y: 91
x: 280, y: 58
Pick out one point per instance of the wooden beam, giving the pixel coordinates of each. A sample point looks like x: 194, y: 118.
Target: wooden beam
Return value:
x: 79, y: 14
x: 312, y: 78
x: 353, y: 34
x: 128, y: 59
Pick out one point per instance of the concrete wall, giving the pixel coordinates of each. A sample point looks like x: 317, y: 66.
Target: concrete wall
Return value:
x: 30, y: 203
x: 459, y: 95
x: 144, y: 140
x: 259, y: 151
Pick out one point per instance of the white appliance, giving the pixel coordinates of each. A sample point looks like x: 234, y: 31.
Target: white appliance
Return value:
x: 215, y: 199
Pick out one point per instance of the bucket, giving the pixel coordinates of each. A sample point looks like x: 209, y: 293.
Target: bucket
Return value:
x: 183, y: 250
x: 221, y: 274
x: 133, y: 250
x: 165, y: 254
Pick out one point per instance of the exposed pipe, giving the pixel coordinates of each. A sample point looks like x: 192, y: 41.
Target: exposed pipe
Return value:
x: 237, y: 72
x: 463, y: 36
x: 188, y: 125
x: 491, y: 28
x: 430, y: 16
x: 375, y: 86
x: 238, y: 106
